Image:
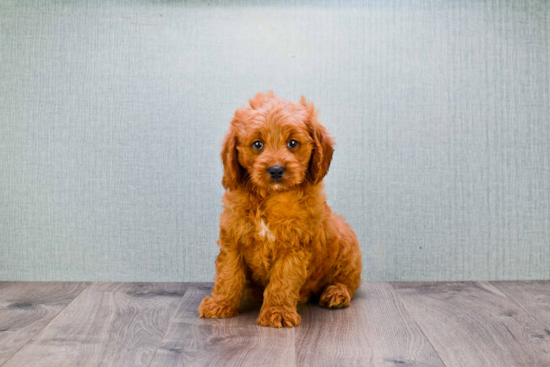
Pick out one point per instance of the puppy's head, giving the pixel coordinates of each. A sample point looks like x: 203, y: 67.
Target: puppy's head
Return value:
x: 275, y: 145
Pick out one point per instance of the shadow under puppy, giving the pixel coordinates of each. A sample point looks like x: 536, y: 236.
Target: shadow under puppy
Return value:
x: 279, y: 240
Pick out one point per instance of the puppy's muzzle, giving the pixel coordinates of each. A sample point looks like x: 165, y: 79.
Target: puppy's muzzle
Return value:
x: 276, y: 172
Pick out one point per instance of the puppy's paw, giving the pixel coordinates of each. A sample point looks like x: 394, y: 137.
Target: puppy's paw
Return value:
x: 335, y: 296
x: 279, y: 316
x: 212, y: 308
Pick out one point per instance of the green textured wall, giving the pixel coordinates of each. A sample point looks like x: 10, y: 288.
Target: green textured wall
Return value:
x: 112, y: 114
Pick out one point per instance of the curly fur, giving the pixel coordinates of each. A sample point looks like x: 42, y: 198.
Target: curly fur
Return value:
x: 279, y: 241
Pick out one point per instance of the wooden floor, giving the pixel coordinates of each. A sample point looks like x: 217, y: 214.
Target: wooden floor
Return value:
x: 498, y: 324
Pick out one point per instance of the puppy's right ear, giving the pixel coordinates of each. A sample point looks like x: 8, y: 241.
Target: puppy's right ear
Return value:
x: 233, y: 173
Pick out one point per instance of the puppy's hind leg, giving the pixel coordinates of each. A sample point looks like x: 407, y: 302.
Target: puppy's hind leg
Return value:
x: 335, y: 296
x: 340, y: 290
x: 346, y: 277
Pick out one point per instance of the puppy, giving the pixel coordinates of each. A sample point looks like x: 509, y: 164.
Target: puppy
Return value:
x: 279, y: 240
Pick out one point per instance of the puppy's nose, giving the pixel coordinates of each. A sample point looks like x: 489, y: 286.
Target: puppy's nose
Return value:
x: 276, y: 172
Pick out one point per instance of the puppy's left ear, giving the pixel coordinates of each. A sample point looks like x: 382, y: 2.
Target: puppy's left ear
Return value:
x: 323, y: 145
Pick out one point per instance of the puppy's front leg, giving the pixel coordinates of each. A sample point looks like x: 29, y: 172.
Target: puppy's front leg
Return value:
x: 228, y: 290
x: 283, y: 292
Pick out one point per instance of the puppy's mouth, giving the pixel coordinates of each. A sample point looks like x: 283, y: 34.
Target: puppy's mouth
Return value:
x: 274, y: 178
x: 279, y: 184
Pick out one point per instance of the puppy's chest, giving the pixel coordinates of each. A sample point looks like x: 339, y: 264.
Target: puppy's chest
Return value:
x: 273, y: 228
x: 262, y: 231
x: 264, y: 228
x: 268, y: 225
x: 263, y: 246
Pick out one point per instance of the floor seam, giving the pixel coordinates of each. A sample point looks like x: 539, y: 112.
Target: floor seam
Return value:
x: 168, y: 328
x: 508, y: 297
x: 417, y: 324
x: 57, y: 314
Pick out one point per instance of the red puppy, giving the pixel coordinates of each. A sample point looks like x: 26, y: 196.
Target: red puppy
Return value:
x: 279, y: 240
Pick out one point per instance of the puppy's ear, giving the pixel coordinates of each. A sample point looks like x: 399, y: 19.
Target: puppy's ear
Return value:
x: 323, y: 145
x: 233, y: 175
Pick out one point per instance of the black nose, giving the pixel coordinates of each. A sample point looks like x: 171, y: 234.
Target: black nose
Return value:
x: 276, y: 172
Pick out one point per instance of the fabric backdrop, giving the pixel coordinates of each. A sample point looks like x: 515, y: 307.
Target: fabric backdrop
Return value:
x: 112, y: 115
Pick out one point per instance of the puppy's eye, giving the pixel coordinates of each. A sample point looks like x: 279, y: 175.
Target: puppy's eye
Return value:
x: 258, y: 145
x: 292, y: 144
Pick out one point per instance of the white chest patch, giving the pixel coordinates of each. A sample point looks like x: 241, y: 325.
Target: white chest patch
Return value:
x: 265, y: 232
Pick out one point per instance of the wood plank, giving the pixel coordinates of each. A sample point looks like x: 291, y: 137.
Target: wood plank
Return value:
x: 108, y: 324
x: 374, y: 330
x: 532, y: 296
x: 27, y: 307
x: 237, y: 341
x: 475, y: 324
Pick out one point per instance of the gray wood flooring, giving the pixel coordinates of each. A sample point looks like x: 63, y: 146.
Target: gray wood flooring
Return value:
x: 498, y: 324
